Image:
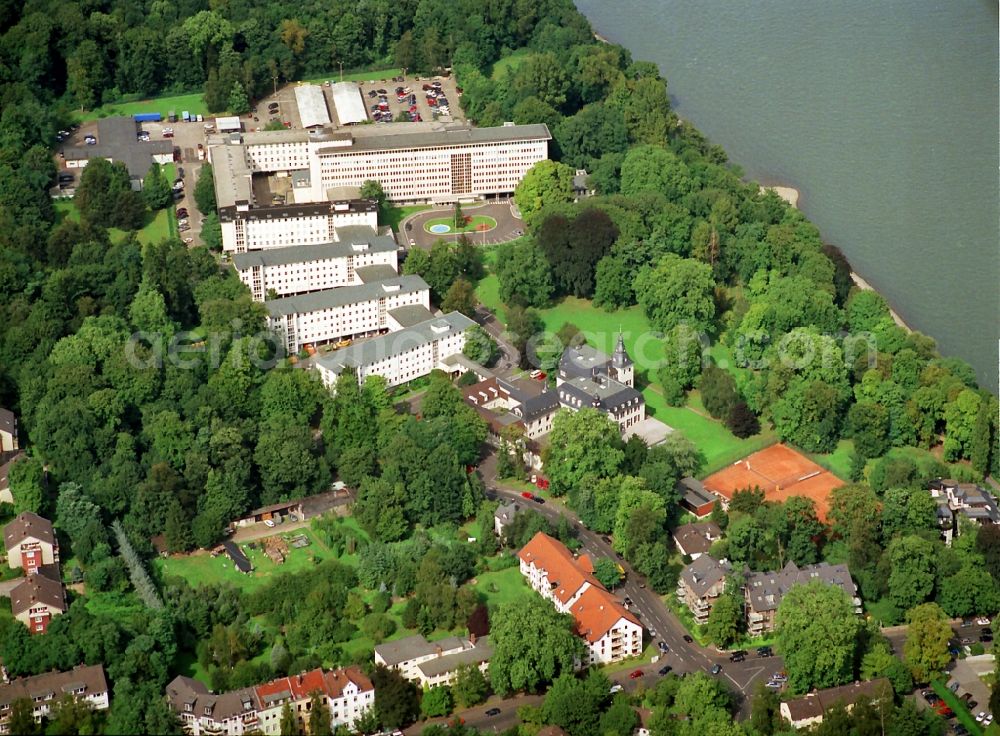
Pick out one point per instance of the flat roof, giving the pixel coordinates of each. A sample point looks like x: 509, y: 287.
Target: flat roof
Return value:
x: 375, y: 272
x: 343, y: 295
x: 349, y: 104
x: 312, y: 105
x: 349, y: 244
x: 117, y: 140
x: 228, y: 123
x: 233, y: 178
x: 395, y: 343
x: 410, y: 315
x: 382, y: 140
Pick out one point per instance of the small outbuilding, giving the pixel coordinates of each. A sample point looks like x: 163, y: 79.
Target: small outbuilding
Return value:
x: 349, y: 104
x: 229, y: 124
x: 311, y: 102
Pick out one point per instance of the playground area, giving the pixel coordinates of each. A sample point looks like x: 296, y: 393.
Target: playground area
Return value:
x: 470, y: 224
x: 781, y: 473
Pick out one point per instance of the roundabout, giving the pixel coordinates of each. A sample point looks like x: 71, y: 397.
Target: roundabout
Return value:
x: 487, y: 223
x: 472, y: 224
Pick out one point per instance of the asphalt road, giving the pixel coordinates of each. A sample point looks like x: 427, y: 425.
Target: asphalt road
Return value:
x: 477, y: 718
x: 683, y: 657
x: 509, y: 226
x: 509, y: 355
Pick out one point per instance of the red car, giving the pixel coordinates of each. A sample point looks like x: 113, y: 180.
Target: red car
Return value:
x: 637, y: 674
x: 528, y: 495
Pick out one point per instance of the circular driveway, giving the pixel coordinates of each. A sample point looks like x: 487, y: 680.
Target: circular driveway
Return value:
x: 508, y: 227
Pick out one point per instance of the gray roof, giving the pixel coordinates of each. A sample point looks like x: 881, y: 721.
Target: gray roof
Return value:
x: 704, y: 573
x: 375, y: 272
x: 395, y: 343
x: 53, y: 684
x: 412, y: 647
x: 697, y: 538
x: 236, y: 555
x: 232, y: 176
x: 816, y: 704
x: 410, y: 315
x: 8, y: 421
x: 28, y: 524
x: 764, y: 590
x: 583, y: 360
x: 601, y: 393
x: 263, y: 211
x: 476, y: 655
x: 343, y: 295
x: 506, y: 512
x: 694, y: 492
x: 37, y: 589
x: 183, y: 691
x: 348, y: 102
x: 350, y: 241
x: 387, y: 140
x: 312, y: 105
x: 116, y: 140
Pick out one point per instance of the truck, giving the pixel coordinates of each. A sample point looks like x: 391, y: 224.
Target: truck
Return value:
x: 147, y: 117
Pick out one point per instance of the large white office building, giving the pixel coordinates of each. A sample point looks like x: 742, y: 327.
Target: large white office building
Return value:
x: 346, y: 312
x: 298, y: 269
x: 400, y: 356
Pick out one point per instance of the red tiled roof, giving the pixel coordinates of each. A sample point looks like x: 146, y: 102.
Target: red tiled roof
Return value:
x: 596, y: 613
x: 298, y: 687
x: 560, y: 567
x: 337, y: 680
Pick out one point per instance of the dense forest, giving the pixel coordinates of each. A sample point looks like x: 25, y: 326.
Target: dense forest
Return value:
x: 180, y: 448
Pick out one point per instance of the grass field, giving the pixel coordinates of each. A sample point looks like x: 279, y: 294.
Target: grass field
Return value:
x: 513, y: 61
x: 958, y: 708
x: 194, y: 103
x: 837, y: 462
x: 474, y: 223
x: 362, y: 76
x: 509, y: 586
x: 392, y: 216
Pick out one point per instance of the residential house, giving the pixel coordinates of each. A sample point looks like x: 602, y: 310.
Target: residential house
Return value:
x: 695, y: 498
x: 764, y: 591
x: 8, y: 431
x: 701, y: 583
x: 7, y: 460
x: 810, y: 709
x: 201, y: 711
x: 38, y: 598
x: 503, y: 516
x: 968, y: 500
x: 413, y: 656
x: 85, y: 683
x: 610, y: 632
x: 589, y: 378
x: 30, y: 542
x: 694, y: 540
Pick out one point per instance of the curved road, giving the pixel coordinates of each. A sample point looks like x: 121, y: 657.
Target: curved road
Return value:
x: 509, y: 226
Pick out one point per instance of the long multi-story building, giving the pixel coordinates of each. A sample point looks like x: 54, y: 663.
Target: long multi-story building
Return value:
x: 701, y: 583
x: 609, y: 631
x: 300, y: 269
x: 86, y: 684
x: 432, y: 663
x: 348, y: 693
x: 400, y: 356
x: 345, y: 312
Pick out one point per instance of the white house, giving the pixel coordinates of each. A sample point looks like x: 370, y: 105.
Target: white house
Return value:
x: 84, y: 683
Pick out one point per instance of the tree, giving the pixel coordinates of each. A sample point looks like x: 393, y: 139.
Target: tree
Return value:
x: 371, y: 189
x: 532, y: 645
x: 239, y: 104
x: 544, y: 184
x: 655, y: 169
x: 156, y: 188
x: 523, y: 274
x: 461, y: 297
x: 741, y: 421
x: 436, y: 701
x: 397, y: 705
x: 582, y: 444
x: 982, y: 446
x: 718, y: 391
x: 27, y: 484
x: 320, y: 722
x: 470, y: 687
x: 606, y: 572
x: 574, y: 704
x: 725, y: 620
x: 480, y: 346
x: 289, y: 724
x: 868, y: 424
x: 22, y: 718
x: 817, y: 633
x: 574, y: 246
x: 204, y: 190
x: 104, y: 195
x: 677, y: 291
x: 613, y: 284
x: 927, y: 636
x: 879, y: 661
x: 911, y: 580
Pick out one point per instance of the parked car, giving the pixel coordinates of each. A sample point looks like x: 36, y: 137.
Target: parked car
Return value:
x: 988, y: 720
x: 688, y: 639
x: 662, y: 646
x: 616, y: 688
x: 627, y: 600
x: 716, y: 669
x: 493, y: 712
x: 182, y: 212
x: 528, y: 495
x: 773, y: 685
x: 268, y: 523
x: 636, y: 674
x: 986, y: 638
x: 764, y: 652
x: 538, y: 499
x: 738, y: 656
x: 983, y: 621
x: 980, y: 716
x: 665, y: 670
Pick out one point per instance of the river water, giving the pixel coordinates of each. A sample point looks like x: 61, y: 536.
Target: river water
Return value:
x: 884, y: 115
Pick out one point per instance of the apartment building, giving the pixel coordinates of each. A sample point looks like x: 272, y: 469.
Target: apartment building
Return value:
x: 764, y: 591
x: 345, y: 312
x: 39, y: 598
x: 30, y: 542
x: 84, y: 683
x: 701, y: 583
x: 348, y: 693
x: 695, y: 540
x: 810, y: 709
x: 609, y: 631
x: 433, y: 663
x: 400, y: 356
x: 299, y: 269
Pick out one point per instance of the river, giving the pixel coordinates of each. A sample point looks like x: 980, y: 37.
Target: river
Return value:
x: 883, y: 115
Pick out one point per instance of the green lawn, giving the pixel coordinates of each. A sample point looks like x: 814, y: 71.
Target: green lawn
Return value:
x: 473, y: 224
x: 509, y: 584
x: 958, y: 708
x: 194, y: 103
x: 837, y: 462
x: 513, y: 61
x: 199, y: 569
x: 361, y: 76
x: 392, y: 215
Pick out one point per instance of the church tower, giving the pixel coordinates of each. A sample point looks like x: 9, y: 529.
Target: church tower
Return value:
x: 622, y: 364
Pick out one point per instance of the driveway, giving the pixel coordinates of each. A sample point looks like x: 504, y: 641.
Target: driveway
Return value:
x: 509, y: 227
x: 477, y: 718
x: 8, y: 585
x: 510, y: 358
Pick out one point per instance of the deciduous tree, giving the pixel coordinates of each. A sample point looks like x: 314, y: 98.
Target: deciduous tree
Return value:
x: 927, y: 636
x: 677, y: 291
x: 582, y: 444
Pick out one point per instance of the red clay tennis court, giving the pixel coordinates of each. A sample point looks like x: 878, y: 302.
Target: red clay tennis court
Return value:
x: 780, y: 472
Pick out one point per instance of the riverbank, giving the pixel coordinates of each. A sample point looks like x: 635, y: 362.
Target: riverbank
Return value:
x: 789, y: 194
x: 862, y: 284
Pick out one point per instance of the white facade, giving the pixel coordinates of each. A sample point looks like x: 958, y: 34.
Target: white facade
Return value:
x: 538, y: 579
x: 400, y: 356
x: 623, y: 640
x: 301, y: 269
x: 346, y: 312
x: 284, y: 227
